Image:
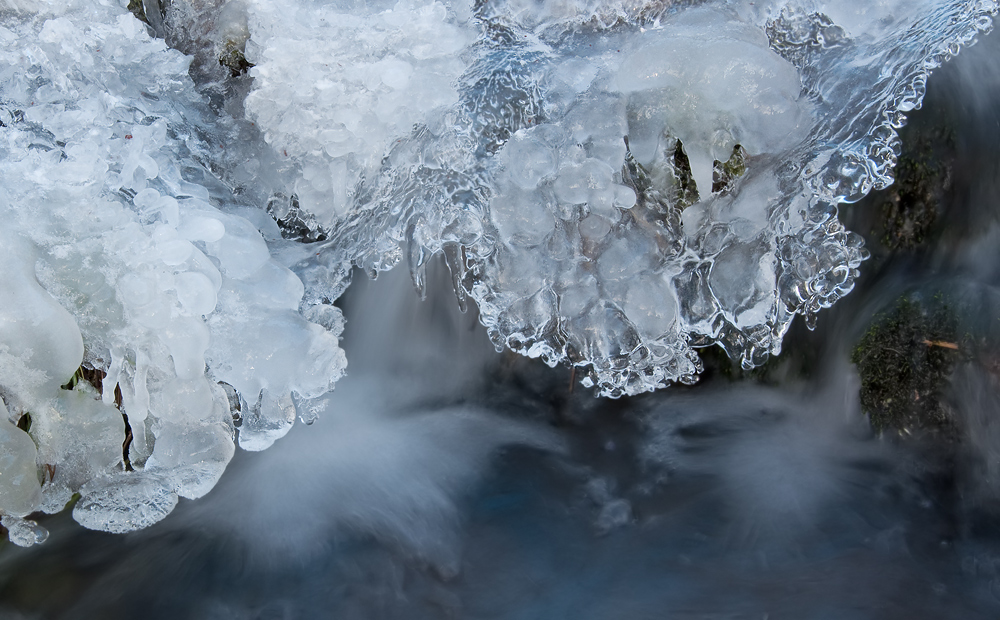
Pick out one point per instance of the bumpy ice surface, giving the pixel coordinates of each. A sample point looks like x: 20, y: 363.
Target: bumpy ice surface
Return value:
x: 614, y: 184
x: 116, y: 262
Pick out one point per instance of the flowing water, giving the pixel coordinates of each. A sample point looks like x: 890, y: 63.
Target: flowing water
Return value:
x: 442, y: 479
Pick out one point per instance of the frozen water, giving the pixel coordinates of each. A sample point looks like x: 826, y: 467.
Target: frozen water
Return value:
x: 123, y: 503
x: 23, y: 532
x: 129, y: 291
x: 335, y: 85
x: 618, y: 185
x: 729, y: 500
x: 19, y: 489
x: 614, y: 184
x: 388, y: 461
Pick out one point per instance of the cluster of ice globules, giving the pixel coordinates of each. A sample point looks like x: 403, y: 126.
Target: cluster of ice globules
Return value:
x: 115, y: 262
x: 617, y: 184
x: 613, y: 183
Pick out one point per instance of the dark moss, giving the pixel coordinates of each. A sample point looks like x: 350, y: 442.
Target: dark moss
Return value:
x: 794, y: 364
x: 687, y: 189
x: 908, y: 218
x: 913, y: 203
x: 724, y: 174
x: 138, y: 8
x: 656, y: 207
x: 667, y: 180
x: 93, y: 376
x: 234, y: 60
x: 135, y: 6
x: 905, y: 360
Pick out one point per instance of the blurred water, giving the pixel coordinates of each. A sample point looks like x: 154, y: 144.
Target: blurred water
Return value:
x: 447, y: 481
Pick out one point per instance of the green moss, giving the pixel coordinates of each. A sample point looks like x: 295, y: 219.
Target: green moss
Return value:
x: 686, y: 188
x: 72, y: 501
x: 667, y: 180
x: 74, y: 380
x: 913, y: 202
x: 93, y: 376
x: 904, y: 361
x: 233, y: 59
x: 136, y: 8
x: 724, y: 174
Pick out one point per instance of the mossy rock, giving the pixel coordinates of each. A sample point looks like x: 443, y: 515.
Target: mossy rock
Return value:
x: 912, y: 207
x: 905, y: 360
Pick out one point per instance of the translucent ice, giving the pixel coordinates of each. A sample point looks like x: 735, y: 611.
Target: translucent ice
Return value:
x: 129, y: 283
x: 613, y: 183
x: 335, y: 85
x: 19, y: 489
x: 123, y: 503
x: 39, y: 338
x: 618, y: 184
x: 23, y: 532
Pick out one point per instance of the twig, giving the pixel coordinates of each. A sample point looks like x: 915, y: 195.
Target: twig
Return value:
x: 941, y: 343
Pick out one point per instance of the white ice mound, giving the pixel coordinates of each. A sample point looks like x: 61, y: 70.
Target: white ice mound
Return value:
x: 621, y: 183
x: 118, y: 263
x: 336, y: 83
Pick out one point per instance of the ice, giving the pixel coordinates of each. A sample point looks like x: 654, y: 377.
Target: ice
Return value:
x: 33, y: 326
x: 124, y: 503
x: 612, y: 152
x: 193, y: 455
x: 19, y: 488
x: 334, y: 86
x: 23, y: 532
x: 395, y: 460
x: 729, y: 89
x: 240, y: 251
x: 128, y: 277
x: 614, y: 184
x: 196, y: 293
x: 78, y: 437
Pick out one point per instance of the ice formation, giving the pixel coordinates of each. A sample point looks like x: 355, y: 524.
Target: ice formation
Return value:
x: 613, y: 183
x: 134, y: 298
x: 619, y: 184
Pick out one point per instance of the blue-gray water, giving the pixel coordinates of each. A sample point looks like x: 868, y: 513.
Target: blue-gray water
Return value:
x: 454, y: 482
